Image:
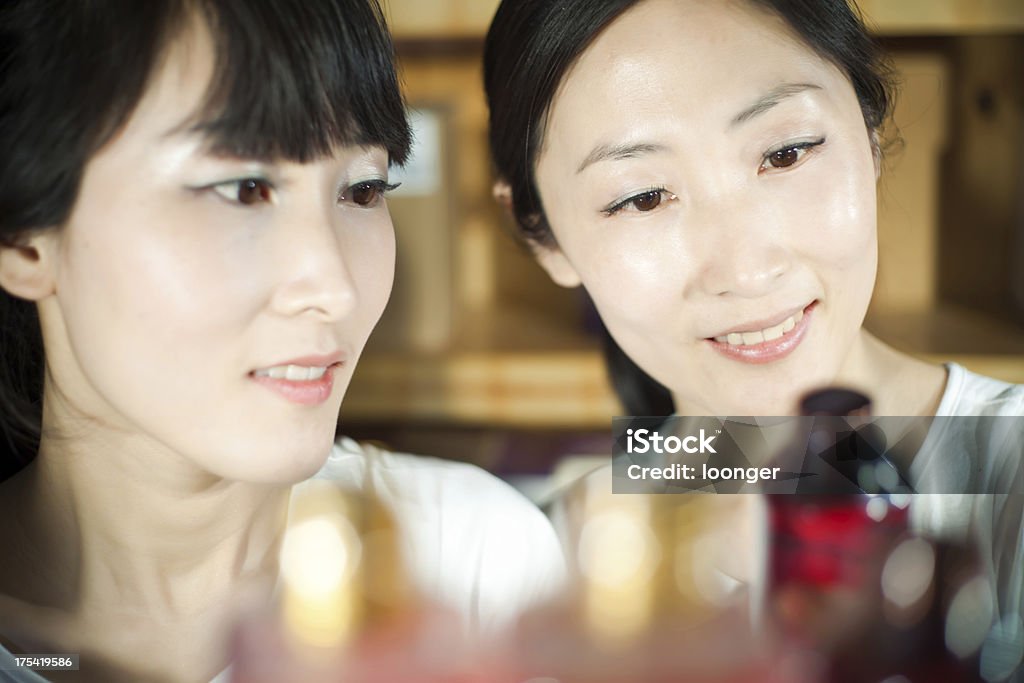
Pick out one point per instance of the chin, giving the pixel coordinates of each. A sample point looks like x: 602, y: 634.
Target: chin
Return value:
x: 783, y: 401
x: 275, y: 464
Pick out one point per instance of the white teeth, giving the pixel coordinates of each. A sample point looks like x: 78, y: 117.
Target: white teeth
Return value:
x: 773, y: 332
x: 293, y: 373
x: 759, y: 336
x: 752, y: 338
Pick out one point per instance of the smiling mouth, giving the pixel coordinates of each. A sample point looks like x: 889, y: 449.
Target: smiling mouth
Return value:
x: 766, y: 345
x: 308, y: 385
x: 754, y: 337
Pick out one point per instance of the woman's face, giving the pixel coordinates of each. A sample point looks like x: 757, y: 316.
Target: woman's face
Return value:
x: 213, y: 308
x: 710, y: 181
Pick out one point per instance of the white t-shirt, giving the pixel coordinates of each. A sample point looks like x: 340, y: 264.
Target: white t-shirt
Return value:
x: 472, y: 543
x: 971, y: 456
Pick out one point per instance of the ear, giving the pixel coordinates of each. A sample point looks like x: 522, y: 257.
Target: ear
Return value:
x: 553, y: 260
x: 502, y: 192
x: 27, y: 267
x: 549, y: 256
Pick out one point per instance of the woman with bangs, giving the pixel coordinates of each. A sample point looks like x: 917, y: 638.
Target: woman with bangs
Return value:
x: 707, y: 172
x: 195, y: 248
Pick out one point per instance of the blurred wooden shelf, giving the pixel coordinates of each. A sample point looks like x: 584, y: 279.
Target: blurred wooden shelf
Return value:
x: 461, y: 19
x: 943, y: 17
x: 558, y: 389
x: 948, y: 332
x: 439, y: 19
x: 949, y: 329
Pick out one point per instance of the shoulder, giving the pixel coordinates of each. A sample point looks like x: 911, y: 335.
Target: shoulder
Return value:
x: 970, y: 394
x: 472, y: 541
x: 973, y: 444
x: 422, y: 480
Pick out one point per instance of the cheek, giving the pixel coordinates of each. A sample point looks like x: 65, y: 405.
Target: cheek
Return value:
x: 632, y: 273
x: 136, y: 297
x: 833, y: 214
x: 850, y: 242
x: 371, y: 259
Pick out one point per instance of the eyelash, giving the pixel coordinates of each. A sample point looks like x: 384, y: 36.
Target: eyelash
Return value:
x: 380, y: 187
x: 231, y: 191
x: 650, y: 192
x: 804, y: 147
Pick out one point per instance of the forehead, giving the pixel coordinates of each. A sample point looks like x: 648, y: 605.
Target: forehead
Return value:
x: 177, y: 87
x: 695, y: 60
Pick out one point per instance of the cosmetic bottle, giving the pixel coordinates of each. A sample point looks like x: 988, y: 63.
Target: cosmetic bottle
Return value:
x: 849, y: 581
x: 828, y: 539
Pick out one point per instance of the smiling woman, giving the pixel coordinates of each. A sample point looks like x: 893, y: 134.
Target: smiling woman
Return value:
x: 194, y: 249
x: 707, y: 172
x: 728, y: 176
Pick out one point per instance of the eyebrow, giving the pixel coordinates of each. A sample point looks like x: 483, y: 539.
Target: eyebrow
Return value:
x: 622, y: 151
x: 770, y: 99
x: 763, y: 104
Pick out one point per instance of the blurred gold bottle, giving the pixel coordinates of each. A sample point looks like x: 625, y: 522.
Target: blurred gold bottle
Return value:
x: 345, y: 604
x: 342, y: 572
x: 659, y: 592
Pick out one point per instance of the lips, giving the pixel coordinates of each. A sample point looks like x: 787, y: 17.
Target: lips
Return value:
x: 765, y: 341
x: 756, y: 336
x: 307, y: 380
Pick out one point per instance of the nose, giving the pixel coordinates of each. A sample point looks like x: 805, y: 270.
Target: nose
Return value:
x: 315, y: 278
x: 745, y: 249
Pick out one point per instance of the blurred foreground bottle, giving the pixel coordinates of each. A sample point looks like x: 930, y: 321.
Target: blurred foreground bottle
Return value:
x: 848, y: 580
x: 652, y: 598
x: 346, y: 610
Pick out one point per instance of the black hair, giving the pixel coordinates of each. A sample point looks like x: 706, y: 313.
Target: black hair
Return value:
x: 292, y: 80
x: 531, y: 45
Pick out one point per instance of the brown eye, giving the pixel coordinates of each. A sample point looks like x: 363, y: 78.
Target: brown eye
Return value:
x: 365, y: 194
x: 645, y: 201
x: 368, y: 194
x: 789, y: 156
x: 648, y: 201
x: 253, y: 191
x: 784, y: 157
x: 248, y: 192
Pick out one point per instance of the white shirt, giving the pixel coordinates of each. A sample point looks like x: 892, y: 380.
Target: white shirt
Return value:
x: 972, y: 457
x: 472, y: 543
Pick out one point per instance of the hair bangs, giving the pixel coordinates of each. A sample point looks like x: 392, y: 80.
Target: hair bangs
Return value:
x: 295, y: 80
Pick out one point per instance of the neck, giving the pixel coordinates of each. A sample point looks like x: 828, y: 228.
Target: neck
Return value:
x: 110, y: 520
x: 898, y: 384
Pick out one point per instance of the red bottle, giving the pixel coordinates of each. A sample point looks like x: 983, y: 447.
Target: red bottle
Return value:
x: 847, y: 577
